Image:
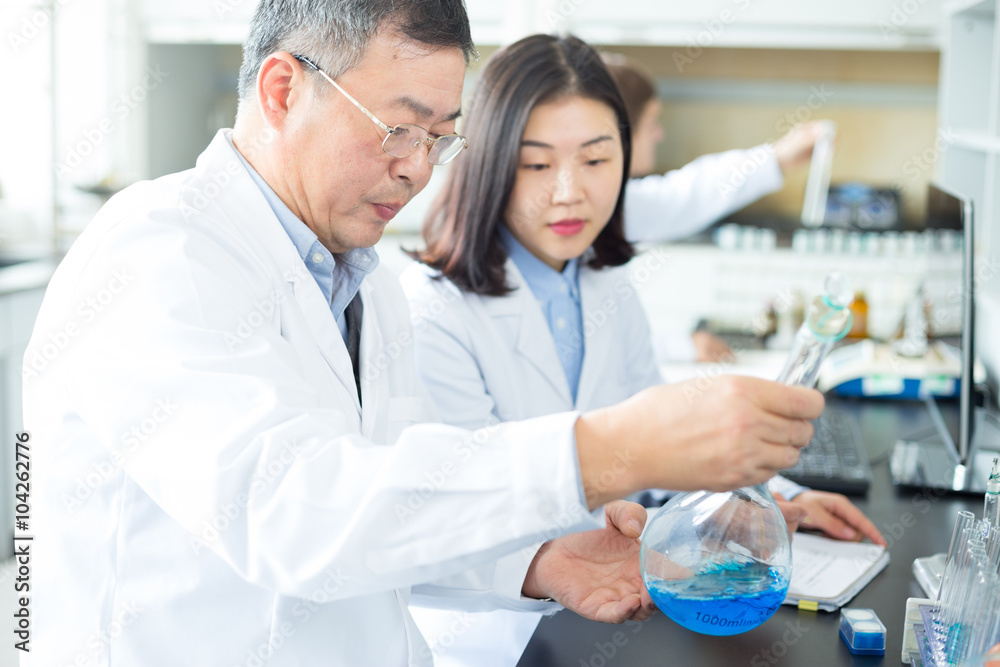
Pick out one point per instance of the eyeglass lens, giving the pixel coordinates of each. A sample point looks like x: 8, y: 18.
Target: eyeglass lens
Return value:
x: 407, y: 138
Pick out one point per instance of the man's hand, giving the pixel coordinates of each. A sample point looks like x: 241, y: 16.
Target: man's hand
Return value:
x: 836, y: 516
x: 596, y: 573
x: 715, y: 434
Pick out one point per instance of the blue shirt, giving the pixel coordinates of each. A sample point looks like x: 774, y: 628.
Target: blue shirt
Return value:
x: 558, y: 294
x: 338, y: 276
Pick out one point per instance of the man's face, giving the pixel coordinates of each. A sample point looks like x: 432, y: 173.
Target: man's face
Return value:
x: 343, y: 185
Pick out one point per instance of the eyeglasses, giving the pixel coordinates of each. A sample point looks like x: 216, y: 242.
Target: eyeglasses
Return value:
x: 404, y: 139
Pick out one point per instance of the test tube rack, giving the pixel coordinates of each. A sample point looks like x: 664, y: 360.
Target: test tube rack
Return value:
x: 964, y: 622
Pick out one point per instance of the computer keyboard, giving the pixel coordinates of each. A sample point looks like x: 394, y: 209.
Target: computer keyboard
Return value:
x: 836, y: 458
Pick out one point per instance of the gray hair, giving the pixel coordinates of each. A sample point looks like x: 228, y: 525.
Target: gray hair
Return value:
x: 336, y: 33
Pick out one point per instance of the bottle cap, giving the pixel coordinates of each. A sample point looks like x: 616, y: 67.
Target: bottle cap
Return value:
x: 862, y: 631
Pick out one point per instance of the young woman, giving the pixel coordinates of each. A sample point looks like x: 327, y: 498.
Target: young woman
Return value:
x: 522, y: 306
x: 682, y: 202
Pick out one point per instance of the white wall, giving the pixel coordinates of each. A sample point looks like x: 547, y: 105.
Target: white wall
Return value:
x: 94, y: 106
x: 25, y: 143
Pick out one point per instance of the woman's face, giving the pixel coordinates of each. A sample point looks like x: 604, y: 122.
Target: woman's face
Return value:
x: 568, y: 178
x: 647, y: 133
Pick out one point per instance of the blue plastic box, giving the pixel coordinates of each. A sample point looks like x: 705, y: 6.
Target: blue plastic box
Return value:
x: 862, y: 631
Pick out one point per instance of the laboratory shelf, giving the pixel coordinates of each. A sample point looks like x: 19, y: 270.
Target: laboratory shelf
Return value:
x: 977, y: 140
x: 984, y: 7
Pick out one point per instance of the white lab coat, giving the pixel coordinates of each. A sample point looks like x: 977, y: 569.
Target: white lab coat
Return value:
x: 672, y: 206
x: 661, y: 208
x: 208, y: 491
x: 485, y: 359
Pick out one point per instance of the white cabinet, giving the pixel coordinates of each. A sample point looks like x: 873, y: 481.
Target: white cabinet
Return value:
x: 182, y: 21
x: 732, y: 289
x: 811, y: 24
x: 968, y: 147
x: 226, y: 21
x: 808, y: 24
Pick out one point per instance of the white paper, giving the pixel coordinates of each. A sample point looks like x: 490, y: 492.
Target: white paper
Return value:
x: 827, y: 570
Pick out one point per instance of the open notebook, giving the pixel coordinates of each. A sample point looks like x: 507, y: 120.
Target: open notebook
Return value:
x: 827, y: 573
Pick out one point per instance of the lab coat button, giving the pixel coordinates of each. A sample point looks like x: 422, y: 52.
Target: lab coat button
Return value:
x: 561, y: 323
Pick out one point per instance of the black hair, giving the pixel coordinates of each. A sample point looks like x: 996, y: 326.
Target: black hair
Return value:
x: 462, y: 228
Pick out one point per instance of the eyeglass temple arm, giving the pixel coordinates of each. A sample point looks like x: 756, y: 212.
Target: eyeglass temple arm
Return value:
x: 385, y: 128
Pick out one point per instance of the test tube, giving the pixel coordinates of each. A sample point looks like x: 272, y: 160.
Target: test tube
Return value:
x: 987, y: 622
x: 964, y: 573
x: 956, y: 619
x: 972, y: 613
x: 991, y: 506
x: 951, y: 593
x: 993, y: 549
x: 982, y: 618
x: 938, y: 632
x: 827, y: 320
x: 965, y: 520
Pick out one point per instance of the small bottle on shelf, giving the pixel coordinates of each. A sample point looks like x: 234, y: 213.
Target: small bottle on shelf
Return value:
x: 859, y: 311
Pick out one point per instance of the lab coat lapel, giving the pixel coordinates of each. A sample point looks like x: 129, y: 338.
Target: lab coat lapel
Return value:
x: 324, y: 329
x: 534, y: 339
x: 598, y: 335
x: 374, y: 394
x: 248, y: 206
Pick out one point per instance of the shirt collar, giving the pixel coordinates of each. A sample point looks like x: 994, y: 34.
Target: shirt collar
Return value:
x: 305, y: 240
x: 544, y: 282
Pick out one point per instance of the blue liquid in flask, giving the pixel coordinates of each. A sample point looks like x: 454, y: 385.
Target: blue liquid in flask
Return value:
x: 720, y: 563
x: 725, y: 601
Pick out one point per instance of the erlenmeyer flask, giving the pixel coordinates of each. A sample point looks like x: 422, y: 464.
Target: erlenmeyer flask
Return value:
x: 720, y: 563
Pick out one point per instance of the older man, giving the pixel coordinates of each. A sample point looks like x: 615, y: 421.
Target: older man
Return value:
x: 226, y: 463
